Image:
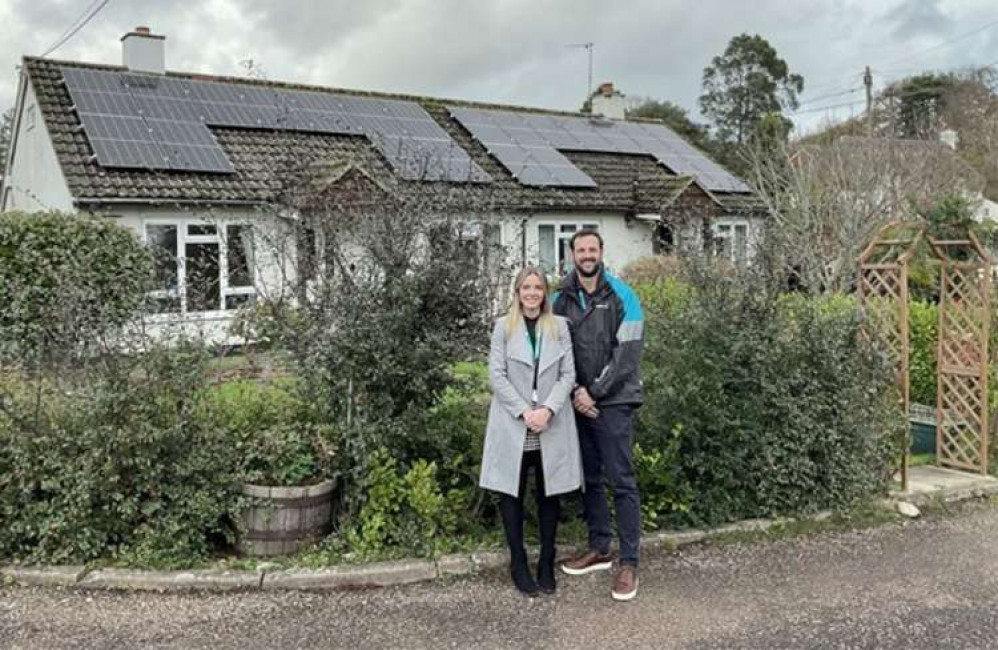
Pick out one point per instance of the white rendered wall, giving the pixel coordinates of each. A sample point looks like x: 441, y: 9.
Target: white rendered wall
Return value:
x: 36, y: 182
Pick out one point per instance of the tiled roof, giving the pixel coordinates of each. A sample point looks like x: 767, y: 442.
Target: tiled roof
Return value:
x: 266, y: 161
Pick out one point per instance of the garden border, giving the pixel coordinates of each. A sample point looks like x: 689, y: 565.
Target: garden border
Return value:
x: 401, y: 572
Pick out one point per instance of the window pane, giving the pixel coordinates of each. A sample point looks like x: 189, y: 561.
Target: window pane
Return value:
x: 240, y: 300
x: 565, y: 263
x: 741, y: 243
x: 568, y: 228
x: 203, y: 277
x: 201, y: 230
x: 545, y: 243
x: 163, y: 243
x: 239, y: 243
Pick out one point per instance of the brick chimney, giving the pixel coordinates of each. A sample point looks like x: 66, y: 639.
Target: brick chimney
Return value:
x: 143, y: 51
x: 608, y: 102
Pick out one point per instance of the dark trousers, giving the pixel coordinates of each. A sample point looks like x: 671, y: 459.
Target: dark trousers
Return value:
x: 608, y: 451
x: 547, y: 512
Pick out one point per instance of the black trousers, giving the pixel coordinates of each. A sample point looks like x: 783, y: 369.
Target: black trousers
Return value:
x: 547, y: 511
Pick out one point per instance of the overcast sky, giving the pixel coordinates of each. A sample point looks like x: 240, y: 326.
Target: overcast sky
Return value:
x: 517, y: 51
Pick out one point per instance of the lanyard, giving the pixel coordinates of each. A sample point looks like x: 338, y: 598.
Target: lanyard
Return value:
x: 536, y: 349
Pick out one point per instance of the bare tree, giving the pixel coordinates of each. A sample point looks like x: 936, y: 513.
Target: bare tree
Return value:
x: 825, y: 203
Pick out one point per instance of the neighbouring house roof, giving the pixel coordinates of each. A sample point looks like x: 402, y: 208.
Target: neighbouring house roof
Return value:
x: 265, y: 161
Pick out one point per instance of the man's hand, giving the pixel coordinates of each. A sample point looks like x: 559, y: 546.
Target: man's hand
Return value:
x: 537, y: 419
x: 584, y: 403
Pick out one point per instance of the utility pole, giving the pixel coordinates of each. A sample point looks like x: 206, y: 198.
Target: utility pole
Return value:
x: 589, y: 48
x: 868, y: 82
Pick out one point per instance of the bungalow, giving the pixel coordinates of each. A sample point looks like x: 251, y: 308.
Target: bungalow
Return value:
x: 193, y: 163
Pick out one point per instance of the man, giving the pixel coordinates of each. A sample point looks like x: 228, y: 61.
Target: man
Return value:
x: 606, y: 323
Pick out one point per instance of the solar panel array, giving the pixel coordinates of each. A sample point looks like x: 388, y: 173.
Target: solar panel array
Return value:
x: 155, y: 122
x: 528, y: 146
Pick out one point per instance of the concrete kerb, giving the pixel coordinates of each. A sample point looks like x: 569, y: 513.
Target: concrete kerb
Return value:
x: 386, y: 574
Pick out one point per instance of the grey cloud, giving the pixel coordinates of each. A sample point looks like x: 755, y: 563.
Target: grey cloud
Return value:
x: 506, y: 51
x: 921, y: 18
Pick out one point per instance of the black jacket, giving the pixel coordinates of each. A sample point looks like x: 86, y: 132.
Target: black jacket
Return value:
x: 607, y: 337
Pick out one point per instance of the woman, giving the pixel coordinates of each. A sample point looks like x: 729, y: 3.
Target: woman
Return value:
x: 531, y: 423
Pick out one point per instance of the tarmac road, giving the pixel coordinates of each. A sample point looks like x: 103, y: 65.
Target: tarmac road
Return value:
x: 931, y: 583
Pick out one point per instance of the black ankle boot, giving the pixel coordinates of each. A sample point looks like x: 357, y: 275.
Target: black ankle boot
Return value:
x: 545, y: 573
x: 519, y: 571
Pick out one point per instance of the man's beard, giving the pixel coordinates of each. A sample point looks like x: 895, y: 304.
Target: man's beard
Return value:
x: 590, y: 274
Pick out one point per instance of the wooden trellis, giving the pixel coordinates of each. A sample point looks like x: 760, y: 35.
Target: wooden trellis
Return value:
x: 883, y: 296
x: 964, y: 327
x: 962, y: 354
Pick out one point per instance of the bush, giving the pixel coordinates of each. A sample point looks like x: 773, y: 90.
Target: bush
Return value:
x: 268, y: 427
x: 115, y: 469
x: 404, y: 509
x: 66, y: 282
x: 780, y: 405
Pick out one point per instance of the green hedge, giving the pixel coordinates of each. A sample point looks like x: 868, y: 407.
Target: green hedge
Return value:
x: 766, y: 404
x: 65, y: 282
x: 110, y: 469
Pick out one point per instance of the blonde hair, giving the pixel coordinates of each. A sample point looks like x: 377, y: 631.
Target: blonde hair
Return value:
x: 545, y: 321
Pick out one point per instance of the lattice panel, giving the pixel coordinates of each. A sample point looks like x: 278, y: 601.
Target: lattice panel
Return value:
x: 882, y: 290
x: 963, y: 352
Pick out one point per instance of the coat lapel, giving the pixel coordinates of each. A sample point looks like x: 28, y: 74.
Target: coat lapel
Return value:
x: 551, y: 351
x: 518, y: 347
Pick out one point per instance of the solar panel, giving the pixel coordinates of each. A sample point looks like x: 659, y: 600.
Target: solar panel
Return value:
x: 515, y: 137
x: 155, y: 122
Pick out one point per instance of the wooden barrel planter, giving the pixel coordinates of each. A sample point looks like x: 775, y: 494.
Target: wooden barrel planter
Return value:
x: 281, y: 520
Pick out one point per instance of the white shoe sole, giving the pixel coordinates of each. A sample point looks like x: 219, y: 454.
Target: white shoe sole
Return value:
x: 600, y: 566
x: 625, y: 597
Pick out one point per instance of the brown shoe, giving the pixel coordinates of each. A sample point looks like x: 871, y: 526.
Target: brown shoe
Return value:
x: 625, y: 583
x: 587, y: 563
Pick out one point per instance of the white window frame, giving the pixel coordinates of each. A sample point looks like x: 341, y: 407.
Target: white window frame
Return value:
x: 183, y: 238
x: 560, y: 236
x: 731, y: 224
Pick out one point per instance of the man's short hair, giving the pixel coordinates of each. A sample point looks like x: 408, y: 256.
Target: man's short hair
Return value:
x: 586, y: 232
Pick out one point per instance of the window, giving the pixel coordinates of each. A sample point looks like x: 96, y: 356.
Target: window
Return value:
x: 731, y: 241
x: 30, y: 118
x: 199, y: 270
x: 554, y: 245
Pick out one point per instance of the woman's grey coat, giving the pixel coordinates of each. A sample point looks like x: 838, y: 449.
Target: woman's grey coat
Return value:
x: 511, y: 374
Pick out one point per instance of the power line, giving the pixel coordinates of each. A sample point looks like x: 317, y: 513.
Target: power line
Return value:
x: 848, y: 91
x: 825, y: 108
x: 77, y: 25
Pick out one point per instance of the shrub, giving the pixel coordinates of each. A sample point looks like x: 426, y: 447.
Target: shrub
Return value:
x: 66, y: 282
x: 404, y: 508
x: 781, y: 406
x: 113, y: 468
x: 267, y: 425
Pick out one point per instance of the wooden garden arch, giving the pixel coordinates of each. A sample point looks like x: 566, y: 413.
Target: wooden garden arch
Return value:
x: 963, y: 331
